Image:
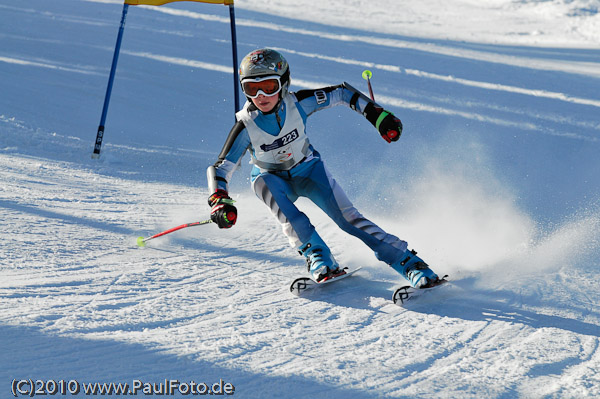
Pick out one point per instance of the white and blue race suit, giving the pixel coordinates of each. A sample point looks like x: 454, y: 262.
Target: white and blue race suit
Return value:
x: 286, y: 167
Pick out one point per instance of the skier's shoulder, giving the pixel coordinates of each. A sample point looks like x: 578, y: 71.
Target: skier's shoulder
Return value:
x: 236, y: 143
x: 248, y: 111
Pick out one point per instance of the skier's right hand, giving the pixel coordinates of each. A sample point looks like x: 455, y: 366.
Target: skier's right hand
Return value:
x: 223, y: 213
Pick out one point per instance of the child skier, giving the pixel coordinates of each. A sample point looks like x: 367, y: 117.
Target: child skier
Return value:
x: 272, y: 126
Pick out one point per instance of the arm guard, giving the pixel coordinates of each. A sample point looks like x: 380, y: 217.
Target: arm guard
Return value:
x: 213, y: 179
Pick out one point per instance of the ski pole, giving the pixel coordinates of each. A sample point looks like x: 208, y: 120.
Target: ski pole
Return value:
x: 141, y: 241
x: 367, y: 75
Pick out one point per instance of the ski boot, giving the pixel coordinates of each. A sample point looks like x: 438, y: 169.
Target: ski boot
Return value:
x: 415, y: 270
x: 321, y: 263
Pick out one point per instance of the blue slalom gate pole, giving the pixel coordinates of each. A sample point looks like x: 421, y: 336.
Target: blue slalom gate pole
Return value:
x: 111, y: 78
x: 236, y: 85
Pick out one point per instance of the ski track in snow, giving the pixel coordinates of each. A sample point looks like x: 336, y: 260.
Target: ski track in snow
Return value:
x: 81, y: 301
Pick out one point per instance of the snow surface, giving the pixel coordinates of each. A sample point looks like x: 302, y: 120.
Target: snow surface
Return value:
x: 495, y: 182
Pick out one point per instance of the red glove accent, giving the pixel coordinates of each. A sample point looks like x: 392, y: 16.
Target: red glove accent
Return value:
x: 217, y: 196
x: 223, y: 213
x: 390, y: 128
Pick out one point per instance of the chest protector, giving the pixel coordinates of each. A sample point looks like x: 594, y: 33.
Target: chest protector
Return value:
x: 281, y: 152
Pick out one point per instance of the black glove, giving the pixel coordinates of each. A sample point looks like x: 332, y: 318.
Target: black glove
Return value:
x: 223, y: 213
x: 386, y: 123
x: 389, y: 126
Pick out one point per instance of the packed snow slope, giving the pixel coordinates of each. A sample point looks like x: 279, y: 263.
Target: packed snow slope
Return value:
x: 495, y: 181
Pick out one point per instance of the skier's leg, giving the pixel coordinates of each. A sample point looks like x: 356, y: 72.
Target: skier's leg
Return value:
x: 277, y: 194
x: 330, y: 197
x: 324, y: 191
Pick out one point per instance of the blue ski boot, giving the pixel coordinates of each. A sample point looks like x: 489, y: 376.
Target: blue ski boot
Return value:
x: 415, y: 270
x: 321, y: 263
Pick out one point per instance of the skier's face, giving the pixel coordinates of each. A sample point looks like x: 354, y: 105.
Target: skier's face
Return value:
x: 265, y: 103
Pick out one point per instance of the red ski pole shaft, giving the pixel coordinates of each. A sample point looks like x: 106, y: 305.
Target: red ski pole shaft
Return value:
x: 370, y: 90
x: 141, y: 241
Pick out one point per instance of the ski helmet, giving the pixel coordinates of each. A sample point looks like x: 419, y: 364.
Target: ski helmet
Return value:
x: 265, y: 62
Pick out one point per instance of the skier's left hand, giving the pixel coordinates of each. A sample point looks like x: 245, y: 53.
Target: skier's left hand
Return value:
x: 389, y: 126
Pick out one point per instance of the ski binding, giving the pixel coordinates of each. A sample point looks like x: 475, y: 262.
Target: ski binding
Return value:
x: 408, y: 293
x: 303, y: 284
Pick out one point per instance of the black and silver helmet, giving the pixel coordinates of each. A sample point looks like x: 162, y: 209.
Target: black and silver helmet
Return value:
x: 263, y: 63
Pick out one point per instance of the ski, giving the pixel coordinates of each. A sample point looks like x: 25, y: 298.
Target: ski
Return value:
x: 407, y: 293
x: 303, y: 284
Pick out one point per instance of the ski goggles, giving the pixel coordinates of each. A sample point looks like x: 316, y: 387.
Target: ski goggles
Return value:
x: 266, y: 85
